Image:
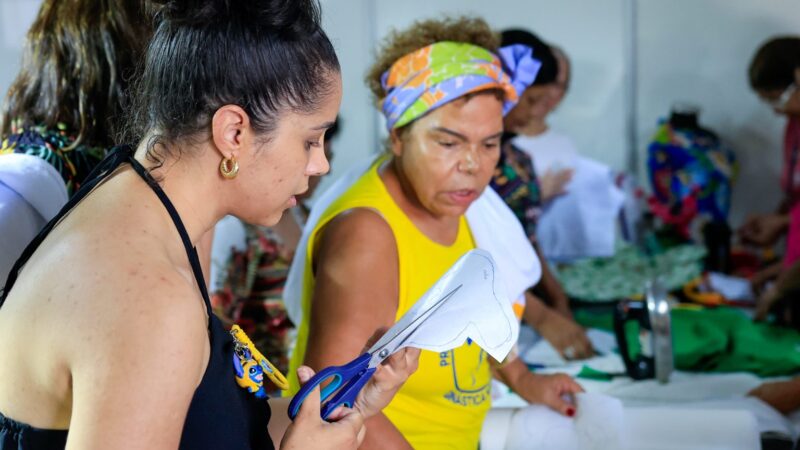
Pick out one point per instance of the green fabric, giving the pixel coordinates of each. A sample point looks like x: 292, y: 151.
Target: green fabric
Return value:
x: 719, y: 340
x: 592, y: 374
x: 626, y: 273
x: 593, y: 319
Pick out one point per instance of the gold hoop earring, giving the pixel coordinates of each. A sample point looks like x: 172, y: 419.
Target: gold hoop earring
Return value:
x: 229, y: 167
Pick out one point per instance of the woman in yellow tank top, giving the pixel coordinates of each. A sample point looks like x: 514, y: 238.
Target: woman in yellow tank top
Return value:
x: 391, y: 235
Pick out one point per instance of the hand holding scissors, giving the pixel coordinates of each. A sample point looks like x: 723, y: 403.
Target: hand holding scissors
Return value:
x: 346, y: 381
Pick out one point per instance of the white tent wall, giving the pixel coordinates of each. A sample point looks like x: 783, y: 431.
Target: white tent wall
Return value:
x: 351, y: 27
x: 685, y: 50
x: 699, y: 51
x: 15, y: 19
x: 591, y: 33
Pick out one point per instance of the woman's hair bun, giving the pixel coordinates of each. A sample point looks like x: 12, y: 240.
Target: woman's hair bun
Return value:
x: 266, y: 56
x: 278, y: 15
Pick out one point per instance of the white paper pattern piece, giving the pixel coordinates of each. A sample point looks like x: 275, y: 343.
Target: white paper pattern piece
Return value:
x: 597, y: 425
x: 550, y: 151
x: 497, y: 230
x: 479, y: 310
x: 543, y: 353
x: 732, y: 288
x: 590, y: 208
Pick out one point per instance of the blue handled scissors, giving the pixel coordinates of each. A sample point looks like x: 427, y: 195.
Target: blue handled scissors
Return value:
x: 355, y: 374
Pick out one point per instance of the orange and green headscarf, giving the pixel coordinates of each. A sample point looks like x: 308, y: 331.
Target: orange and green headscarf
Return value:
x: 429, y: 77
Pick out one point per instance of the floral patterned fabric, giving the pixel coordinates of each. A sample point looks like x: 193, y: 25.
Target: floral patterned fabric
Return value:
x: 515, y: 181
x: 691, y: 167
x: 56, y: 146
x: 626, y: 273
x: 429, y: 77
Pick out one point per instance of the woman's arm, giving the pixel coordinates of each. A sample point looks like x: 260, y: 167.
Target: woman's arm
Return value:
x: 553, y: 183
x: 550, y: 286
x: 135, y: 370
x: 787, y: 280
x: 556, y: 391
x: 356, y: 293
x: 760, y: 279
x: 781, y: 395
x: 764, y: 229
x: 566, y: 336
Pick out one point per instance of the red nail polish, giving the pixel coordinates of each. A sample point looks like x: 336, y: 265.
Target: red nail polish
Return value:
x: 570, y: 412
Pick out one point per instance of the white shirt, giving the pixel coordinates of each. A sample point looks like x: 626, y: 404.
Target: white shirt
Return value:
x: 582, y: 222
x: 550, y: 150
x: 31, y: 193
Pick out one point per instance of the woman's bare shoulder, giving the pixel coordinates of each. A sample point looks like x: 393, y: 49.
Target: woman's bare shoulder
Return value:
x: 358, y: 228
x: 356, y: 245
x: 103, y: 324
x: 106, y: 293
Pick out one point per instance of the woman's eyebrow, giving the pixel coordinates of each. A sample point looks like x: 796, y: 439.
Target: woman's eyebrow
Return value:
x: 462, y: 137
x: 324, y: 126
x: 494, y: 136
x: 450, y: 132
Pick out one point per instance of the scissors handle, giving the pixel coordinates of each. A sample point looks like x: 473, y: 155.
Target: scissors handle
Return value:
x: 355, y: 374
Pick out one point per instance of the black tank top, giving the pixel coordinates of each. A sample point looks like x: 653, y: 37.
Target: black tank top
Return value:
x: 221, y: 415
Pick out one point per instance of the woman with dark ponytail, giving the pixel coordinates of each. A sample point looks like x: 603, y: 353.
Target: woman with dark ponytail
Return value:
x: 231, y: 107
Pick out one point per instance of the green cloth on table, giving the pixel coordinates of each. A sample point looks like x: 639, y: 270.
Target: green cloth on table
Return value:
x: 593, y: 374
x: 720, y: 340
x: 626, y: 273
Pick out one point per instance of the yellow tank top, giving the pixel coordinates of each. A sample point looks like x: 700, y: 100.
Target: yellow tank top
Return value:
x: 443, y: 404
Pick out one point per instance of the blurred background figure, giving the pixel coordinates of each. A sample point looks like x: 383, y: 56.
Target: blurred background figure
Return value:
x: 527, y: 193
x: 63, y: 109
x: 774, y: 75
x: 562, y: 76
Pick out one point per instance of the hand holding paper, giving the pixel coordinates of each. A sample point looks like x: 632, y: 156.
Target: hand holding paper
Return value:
x: 468, y: 302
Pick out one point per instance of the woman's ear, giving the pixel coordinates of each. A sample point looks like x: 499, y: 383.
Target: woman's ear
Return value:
x: 230, y: 129
x: 396, y: 141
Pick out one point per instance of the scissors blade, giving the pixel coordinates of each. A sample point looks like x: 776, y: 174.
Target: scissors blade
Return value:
x: 396, y: 336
